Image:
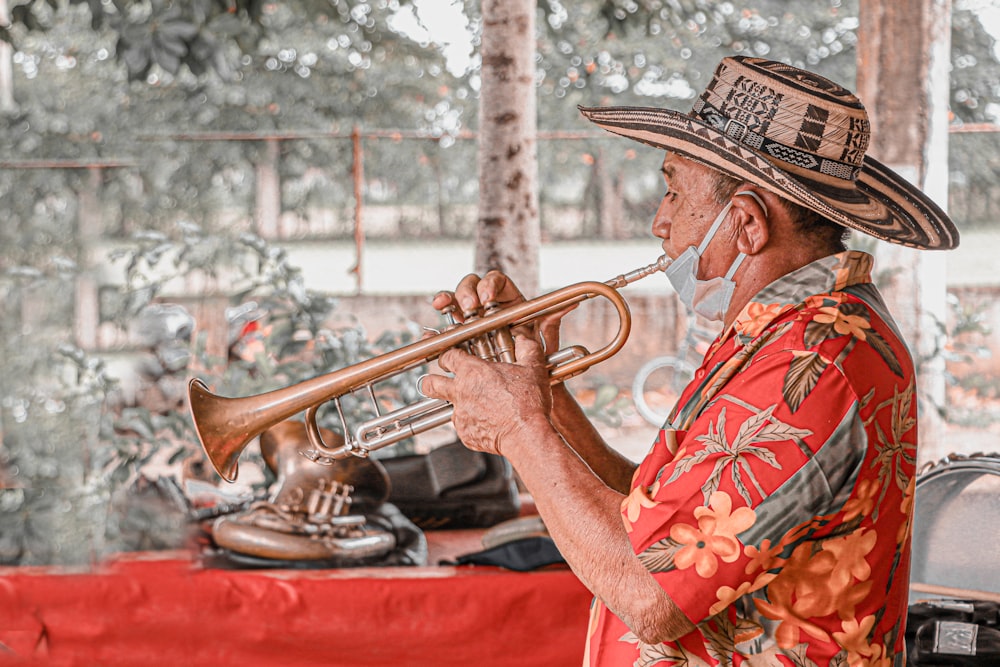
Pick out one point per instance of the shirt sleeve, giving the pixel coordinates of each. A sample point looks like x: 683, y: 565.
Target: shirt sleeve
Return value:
x: 748, y: 475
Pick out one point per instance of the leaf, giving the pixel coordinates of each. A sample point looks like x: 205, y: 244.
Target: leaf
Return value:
x: 751, y: 425
x: 884, y: 350
x: 867, y: 399
x: 688, y: 462
x: 659, y: 557
x: 816, y: 333
x: 778, y: 431
x: 802, y: 376
x: 711, y: 484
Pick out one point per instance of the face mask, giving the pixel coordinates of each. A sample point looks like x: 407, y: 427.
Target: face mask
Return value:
x: 708, y: 298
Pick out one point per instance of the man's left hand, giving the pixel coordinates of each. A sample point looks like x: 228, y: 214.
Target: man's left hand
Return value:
x: 495, y: 403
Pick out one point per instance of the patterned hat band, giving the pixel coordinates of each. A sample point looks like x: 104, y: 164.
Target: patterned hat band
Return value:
x: 794, y: 159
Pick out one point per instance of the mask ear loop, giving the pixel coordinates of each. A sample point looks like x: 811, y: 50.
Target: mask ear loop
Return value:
x: 714, y: 228
x: 722, y: 216
x: 756, y: 196
x: 739, y: 258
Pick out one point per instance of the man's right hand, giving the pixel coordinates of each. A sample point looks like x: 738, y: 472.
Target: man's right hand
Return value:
x: 473, y: 292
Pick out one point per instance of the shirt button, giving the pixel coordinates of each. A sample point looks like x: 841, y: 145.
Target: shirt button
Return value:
x: 700, y: 373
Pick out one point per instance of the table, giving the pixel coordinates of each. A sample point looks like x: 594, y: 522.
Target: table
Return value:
x: 162, y: 608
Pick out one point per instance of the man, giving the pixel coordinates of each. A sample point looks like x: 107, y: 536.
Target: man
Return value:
x: 770, y: 522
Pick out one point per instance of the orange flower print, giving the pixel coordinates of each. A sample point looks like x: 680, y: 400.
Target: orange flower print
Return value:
x: 816, y: 583
x: 854, y: 325
x: 779, y: 606
x: 714, y: 537
x: 727, y: 594
x: 720, y: 513
x: 633, y: 504
x: 849, y: 553
x: 820, y: 301
x: 755, y: 317
x: 699, y: 549
x: 854, y: 638
x: 864, y: 500
x: 880, y: 658
x: 763, y: 558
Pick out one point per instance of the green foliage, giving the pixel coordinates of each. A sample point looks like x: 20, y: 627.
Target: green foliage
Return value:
x: 73, y: 486
x: 297, y: 332
x: 160, y: 33
x: 661, y: 53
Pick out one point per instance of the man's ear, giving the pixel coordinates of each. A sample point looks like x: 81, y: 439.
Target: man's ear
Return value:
x: 752, y: 218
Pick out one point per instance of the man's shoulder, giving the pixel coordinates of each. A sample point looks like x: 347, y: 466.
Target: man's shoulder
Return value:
x: 854, y: 331
x: 850, y: 329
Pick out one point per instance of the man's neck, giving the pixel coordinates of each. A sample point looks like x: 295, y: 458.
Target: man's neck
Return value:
x: 762, y: 269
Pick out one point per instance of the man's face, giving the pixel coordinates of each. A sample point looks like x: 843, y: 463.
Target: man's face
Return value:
x: 687, y: 211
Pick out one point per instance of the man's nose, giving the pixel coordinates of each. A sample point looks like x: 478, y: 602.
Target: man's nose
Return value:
x: 661, y: 221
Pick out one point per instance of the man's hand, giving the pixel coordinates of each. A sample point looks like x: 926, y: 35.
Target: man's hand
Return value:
x: 495, y: 403
x: 473, y: 293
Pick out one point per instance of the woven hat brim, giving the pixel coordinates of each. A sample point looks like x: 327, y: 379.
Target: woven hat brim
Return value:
x: 880, y: 203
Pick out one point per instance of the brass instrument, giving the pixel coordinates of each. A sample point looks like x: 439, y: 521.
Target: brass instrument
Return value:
x: 314, y: 512
x: 225, y: 426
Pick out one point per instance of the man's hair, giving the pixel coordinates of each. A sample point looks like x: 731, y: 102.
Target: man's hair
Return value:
x: 819, y: 228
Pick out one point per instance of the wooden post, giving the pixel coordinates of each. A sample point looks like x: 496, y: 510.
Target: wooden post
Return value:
x: 86, y: 320
x: 906, y: 94
x: 267, y: 210
x: 7, y: 102
x: 358, y: 175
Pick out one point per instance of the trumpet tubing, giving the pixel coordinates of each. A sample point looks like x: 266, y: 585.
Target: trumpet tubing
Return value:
x: 225, y: 426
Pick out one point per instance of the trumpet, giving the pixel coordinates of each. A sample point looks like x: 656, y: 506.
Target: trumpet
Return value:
x: 225, y: 426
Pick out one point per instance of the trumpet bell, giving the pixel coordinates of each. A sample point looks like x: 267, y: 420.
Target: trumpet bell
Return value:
x: 221, y: 430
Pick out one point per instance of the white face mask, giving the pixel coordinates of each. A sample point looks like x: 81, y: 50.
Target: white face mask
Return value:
x: 708, y: 298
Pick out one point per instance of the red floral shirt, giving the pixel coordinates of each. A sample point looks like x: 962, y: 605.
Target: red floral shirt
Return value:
x: 775, y: 506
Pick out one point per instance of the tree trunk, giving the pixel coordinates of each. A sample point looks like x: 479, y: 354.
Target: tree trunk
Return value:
x: 907, y: 101
x: 508, y: 232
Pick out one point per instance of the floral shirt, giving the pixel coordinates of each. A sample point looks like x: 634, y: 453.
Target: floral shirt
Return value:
x: 775, y: 506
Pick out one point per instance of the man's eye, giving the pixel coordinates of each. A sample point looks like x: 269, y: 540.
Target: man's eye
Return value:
x: 670, y: 194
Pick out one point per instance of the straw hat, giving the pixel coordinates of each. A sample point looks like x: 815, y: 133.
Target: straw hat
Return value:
x: 797, y: 134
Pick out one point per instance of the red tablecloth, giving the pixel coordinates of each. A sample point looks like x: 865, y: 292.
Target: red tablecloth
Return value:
x: 152, y: 609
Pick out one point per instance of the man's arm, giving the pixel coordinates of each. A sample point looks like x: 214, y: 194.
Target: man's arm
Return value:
x: 584, y: 518
x: 579, y: 432
x: 506, y: 409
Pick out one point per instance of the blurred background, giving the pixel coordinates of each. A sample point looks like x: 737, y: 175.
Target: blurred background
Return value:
x: 258, y: 192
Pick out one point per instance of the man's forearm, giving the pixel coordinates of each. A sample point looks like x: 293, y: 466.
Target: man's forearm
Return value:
x: 610, y: 466
x: 583, y: 516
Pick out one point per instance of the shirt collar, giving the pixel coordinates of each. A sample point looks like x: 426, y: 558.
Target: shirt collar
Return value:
x: 832, y: 273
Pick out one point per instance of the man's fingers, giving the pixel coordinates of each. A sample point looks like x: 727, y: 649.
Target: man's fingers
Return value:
x: 529, y: 351
x: 435, y: 386
x: 467, y: 296
x: 497, y: 286
x: 453, y: 360
x: 443, y: 299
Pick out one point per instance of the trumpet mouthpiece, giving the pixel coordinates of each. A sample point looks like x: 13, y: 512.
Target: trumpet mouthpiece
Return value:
x: 624, y: 279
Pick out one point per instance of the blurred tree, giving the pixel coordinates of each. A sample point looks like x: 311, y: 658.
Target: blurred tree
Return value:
x: 508, y: 229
